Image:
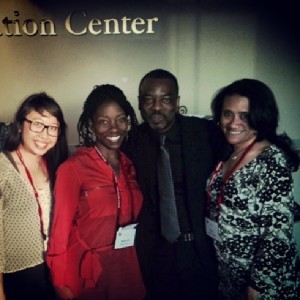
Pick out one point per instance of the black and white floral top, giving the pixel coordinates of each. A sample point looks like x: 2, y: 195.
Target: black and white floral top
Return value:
x: 255, y: 222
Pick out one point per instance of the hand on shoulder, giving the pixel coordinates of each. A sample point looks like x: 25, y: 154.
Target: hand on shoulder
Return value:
x: 252, y: 294
x: 2, y: 295
x: 64, y: 293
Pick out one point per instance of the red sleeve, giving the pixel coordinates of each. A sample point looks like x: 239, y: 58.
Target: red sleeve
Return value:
x: 66, y: 197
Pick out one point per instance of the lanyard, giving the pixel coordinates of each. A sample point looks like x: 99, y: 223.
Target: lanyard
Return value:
x: 36, y: 195
x: 116, y: 186
x: 226, y: 178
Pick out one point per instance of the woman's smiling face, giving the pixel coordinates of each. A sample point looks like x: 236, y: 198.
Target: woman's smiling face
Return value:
x: 234, y: 121
x: 34, y: 142
x: 110, y: 125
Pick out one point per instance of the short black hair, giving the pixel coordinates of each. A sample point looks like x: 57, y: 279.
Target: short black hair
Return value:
x: 160, y: 74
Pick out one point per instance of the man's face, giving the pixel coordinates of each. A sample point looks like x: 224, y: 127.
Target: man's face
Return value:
x: 158, y: 103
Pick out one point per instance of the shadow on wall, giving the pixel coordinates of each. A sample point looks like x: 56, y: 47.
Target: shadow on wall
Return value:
x: 282, y: 18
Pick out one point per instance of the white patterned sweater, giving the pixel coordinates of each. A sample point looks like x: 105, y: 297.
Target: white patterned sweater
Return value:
x: 21, y: 242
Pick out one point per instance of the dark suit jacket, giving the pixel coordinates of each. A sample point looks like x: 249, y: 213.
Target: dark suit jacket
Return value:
x: 201, y: 142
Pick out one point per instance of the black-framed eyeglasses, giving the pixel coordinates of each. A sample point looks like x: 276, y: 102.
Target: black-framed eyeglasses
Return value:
x: 38, y: 127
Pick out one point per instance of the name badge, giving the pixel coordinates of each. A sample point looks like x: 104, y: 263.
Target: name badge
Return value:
x: 212, y: 229
x: 125, y: 236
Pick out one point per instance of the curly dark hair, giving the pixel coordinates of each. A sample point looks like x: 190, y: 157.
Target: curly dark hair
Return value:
x: 99, y: 95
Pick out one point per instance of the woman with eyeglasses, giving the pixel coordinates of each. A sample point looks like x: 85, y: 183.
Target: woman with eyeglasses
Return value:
x: 33, y: 151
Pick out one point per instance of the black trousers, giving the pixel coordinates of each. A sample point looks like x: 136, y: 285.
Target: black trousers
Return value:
x: 32, y: 283
x: 178, y: 274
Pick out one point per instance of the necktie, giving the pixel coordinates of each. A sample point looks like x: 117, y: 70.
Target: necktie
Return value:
x: 168, y: 212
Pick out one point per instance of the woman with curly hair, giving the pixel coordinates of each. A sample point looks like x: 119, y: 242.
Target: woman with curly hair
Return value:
x: 97, y: 200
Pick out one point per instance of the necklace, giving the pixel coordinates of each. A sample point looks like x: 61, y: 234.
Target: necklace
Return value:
x: 229, y: 174
x: 235, y: 156
x: 238, y: 154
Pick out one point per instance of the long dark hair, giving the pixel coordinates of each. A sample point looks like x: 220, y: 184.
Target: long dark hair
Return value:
x: 39, y: 102
x: 263, y: 113
x: 99, y: 95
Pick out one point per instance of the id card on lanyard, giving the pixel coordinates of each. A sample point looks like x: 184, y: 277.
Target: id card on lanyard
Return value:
x: 212, y: 229
x: 125, y: 235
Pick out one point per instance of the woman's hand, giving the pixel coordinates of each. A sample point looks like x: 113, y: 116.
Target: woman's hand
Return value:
x: 2, y: 295
x: 64, y: 293
x: 252, y: 294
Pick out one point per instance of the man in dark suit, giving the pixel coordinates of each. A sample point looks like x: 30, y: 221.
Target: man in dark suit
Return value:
x: 186, y: 268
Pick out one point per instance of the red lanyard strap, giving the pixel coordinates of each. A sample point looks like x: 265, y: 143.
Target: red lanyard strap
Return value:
x: 248, y: 149
x: 228, y: 176
x: 35, y: 194
x: 117, y: 187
